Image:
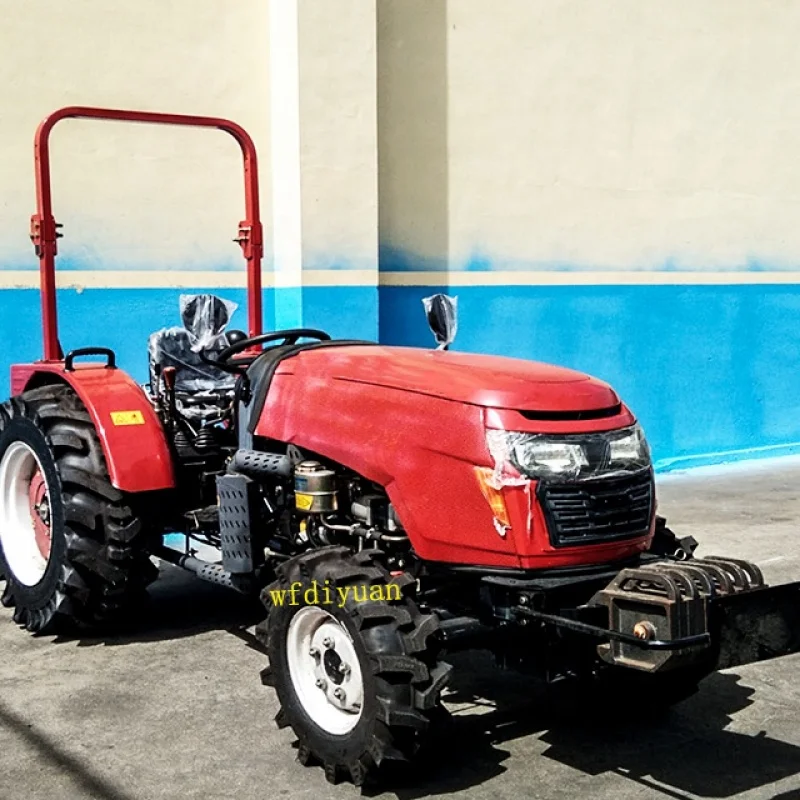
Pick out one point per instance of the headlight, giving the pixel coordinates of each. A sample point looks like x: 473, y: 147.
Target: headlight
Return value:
x: 570, y: 457
x: 629, y: 448
x: 542, y: 457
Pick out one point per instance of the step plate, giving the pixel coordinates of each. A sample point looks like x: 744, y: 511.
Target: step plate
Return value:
x: 237, y: 500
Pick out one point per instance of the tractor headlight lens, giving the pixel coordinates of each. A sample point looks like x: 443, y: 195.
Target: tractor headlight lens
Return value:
x: 540, y: 457
x: 570, y: 456
x: 629, y: 448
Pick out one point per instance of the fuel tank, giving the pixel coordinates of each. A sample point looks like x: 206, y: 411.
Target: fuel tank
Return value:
x: 415, y: 422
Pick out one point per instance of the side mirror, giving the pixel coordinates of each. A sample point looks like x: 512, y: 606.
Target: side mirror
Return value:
x: 441, y: 312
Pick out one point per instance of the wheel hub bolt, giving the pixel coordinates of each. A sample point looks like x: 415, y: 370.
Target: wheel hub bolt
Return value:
x: 338, y: 694
x: 314, y: 652
x: 345, y: 669
x: 322, y: 684
x: 328, y: 642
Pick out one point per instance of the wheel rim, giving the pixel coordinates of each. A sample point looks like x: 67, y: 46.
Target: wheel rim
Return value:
x: 324, y: 669
x: 39, y: 506
x: 25, y: 532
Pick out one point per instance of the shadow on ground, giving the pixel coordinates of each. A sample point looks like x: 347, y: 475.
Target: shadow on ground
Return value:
x: 179, y: 605
x: 51, y: 753
x: 685, y: 751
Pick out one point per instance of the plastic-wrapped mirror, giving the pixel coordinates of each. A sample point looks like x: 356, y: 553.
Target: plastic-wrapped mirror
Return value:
x: 441, y: 312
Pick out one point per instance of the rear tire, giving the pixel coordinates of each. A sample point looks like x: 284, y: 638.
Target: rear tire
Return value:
x: 380, y: 656
x: 96, y: 563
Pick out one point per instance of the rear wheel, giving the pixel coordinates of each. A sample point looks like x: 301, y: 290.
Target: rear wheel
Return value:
x: 25, y: 535
x: 358, y: 678
x: 71, y: 545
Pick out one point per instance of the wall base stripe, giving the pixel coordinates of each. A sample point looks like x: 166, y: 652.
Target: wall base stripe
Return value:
x: 667, y: 465
x: 585, y: 278
x: 164, y: 279
x: 178, y: 279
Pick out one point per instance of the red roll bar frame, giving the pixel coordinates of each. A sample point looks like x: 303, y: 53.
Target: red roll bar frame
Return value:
x: 44, y: 228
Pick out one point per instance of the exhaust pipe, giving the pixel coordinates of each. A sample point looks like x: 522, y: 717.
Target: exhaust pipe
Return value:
x: 256, y: 464
x: 212, y: 573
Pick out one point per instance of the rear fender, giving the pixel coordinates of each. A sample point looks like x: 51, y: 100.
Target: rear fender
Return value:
x: 134, y: 444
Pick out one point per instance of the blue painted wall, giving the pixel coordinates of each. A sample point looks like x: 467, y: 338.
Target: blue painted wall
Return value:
x: 712, y: 372
x: 124, y: 318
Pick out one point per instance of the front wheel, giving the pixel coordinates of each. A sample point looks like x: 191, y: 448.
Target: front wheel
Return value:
x: 353, y: 661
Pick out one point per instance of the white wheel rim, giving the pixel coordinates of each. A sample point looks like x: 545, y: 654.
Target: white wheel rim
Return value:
x: 17, y: 532
x: 324, y: 669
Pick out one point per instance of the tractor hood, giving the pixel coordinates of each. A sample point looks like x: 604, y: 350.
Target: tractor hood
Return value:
x: 490, y: 381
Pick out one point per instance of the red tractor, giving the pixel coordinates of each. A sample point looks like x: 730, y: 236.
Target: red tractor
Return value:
x: 390, y: 504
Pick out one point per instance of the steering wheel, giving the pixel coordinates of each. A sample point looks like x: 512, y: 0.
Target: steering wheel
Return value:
x: 282, y: 337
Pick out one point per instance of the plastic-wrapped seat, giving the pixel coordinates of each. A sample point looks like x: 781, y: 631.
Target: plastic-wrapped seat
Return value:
x: 201, y: 390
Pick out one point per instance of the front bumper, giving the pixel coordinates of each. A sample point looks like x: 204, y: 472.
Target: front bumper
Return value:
x: 669, y: 615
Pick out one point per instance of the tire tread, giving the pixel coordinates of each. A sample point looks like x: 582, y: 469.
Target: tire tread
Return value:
x: 106, y: 564
x: 408, y: 678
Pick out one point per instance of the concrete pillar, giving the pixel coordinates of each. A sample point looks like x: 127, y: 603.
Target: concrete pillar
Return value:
x: 323, y: 76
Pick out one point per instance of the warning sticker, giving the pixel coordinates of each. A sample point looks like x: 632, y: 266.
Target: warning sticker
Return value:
x: 127, y: 418
x: 303, y: 501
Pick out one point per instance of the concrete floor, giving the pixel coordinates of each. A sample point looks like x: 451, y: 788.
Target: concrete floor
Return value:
x: 175, y: 709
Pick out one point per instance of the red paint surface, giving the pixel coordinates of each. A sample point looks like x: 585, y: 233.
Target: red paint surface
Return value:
x: 491, y: 381
x: 137, y: 456
x: 411, y: 420
x: 414, y: 421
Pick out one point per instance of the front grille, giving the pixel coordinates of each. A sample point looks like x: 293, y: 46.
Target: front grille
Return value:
x: 597, y: 510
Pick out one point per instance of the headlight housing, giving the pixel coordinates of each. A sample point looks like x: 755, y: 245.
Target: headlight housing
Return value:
x: 569, y: 457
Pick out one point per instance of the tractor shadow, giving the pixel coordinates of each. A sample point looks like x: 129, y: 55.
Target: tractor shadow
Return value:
x: 179, y: 605
x: 684, y: 751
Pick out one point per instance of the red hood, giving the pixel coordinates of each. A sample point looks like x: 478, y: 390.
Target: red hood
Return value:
x: 490, y: 381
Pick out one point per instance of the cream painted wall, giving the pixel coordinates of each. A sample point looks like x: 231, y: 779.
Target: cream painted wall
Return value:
x: 528, y: 132
x: 412, y: 125
x: 338, y: 133
x: 597, y: 135
x: 137, y: 197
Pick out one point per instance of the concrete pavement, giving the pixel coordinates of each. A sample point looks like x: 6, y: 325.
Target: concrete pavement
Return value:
x: 174, y: 709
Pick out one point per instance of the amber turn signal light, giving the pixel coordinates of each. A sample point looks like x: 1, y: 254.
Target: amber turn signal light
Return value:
x: 493, y: 495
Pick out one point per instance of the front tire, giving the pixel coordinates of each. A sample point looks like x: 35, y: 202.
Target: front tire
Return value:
x: 71, y: 546
x: 358, y: 681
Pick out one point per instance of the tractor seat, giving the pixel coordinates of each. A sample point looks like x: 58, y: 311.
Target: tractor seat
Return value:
x: 172, y: 347
x: 201, y: 389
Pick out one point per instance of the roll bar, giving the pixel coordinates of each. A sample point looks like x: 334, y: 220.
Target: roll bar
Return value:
x: 45, y: 230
